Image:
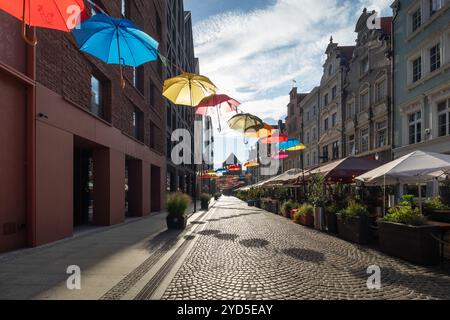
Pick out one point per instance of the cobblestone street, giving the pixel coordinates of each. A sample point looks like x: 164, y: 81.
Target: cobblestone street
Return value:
x: 246, y: 253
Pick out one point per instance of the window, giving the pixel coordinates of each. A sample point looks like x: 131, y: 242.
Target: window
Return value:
x: 365, y: 140
x: 308, y: 159
x: 96, y: 97
x: 333, y: 93
x: 364, y: 101
x: 330, y: 70
x: 325, y: 125
x: 334, y: 120
x: 416, y: 19
x: 314, y: 130
x: 435, y: 6
x: 336, y: 150
x: 125, y: 9
x: 325, y: 153
x: 307, y: 116
x: 435, y: 57
x: 307, y: 137
x: 415, y: 127
x: 444, y: 118
x: 325, y: 100
x: 314, y: 111
x: 381, y: 138
x: 138, y: 124
x: 314, y: 160
x: 138, y: 77
x: 364, y: 66
x: 351, y: 145
x: 350, y: 110
x: 417, y: 69
x: 380, y: 91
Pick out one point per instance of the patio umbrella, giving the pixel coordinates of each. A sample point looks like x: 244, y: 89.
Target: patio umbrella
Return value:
x: 245, y: 122
x: 235, y: 168
x: 274, y: 139
x: 268, y: 130
x: 300, y: 147
x: 280, y: 155
x: 222, y: 171
x: 251, y: 164
x: 116, y: 41
x: 188, y: 89
x: 60, y: 15
x: 291, y: 143
x: 216, y: 101
x: 417, y: 167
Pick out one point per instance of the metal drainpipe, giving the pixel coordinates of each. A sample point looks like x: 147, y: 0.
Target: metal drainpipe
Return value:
x: 31, y: 146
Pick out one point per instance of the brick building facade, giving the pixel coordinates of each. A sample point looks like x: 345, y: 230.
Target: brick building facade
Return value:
x: 78, y: 150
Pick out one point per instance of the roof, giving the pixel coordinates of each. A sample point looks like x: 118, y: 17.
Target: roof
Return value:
x: 346, y: 52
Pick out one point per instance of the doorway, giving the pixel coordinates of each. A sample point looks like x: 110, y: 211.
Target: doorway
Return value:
x: 155, y: 189
x: 83, y: 203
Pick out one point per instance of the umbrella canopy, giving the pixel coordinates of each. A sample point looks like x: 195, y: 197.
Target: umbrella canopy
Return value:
x: 216, y: 101
x: 116, y: 41
x: 274, y: 139
x: 412, y: 168
x: 300, y: 147
x: 345, y: 170
x: 291, y: 143
x: 188, y: 89
x: 235, y: 168
x: 251, y: 164
x: 222, y: 171
x: 280, y: 155
x: 266, y: 131
x: 60, y: 15
x: 245, y: 122
x: 289, y: 176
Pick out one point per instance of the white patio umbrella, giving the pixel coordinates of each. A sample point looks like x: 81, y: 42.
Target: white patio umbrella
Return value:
x: 417, y: 167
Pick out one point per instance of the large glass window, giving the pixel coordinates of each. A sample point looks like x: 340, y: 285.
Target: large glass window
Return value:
x: 415, y: 127
x: 351, y: 145
x: 435, y: 6
x: 325, y: 100
x: 138, y: 124
x: 325, y: 153
x: 417, y: 69
x: 334, y: 120
x: 444, y: 118
x: 381, y: 138
x: 336, y: 150
x: 364, y: 101
x: 326, y: 124
x: 380, y: 91
x: 365, y: 140
x: 416, y: 19
x: 96, y: 97
x: 333, y: 93
x: 435, y: 57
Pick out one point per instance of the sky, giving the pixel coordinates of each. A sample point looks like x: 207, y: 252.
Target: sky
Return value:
x: 254, y: 49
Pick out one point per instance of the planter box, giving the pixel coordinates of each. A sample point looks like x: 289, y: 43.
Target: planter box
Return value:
x: 441, y: 216
x: 271, y: 206
x: 331, y: 222
x: 307, y: 221
x: 176, y: 223
x: 319, y: 219
x: 354, y: 229
x: 414, y: 244
x: 251, y: 203
x: 205, y: 206
x: 293, y: 213
x: 258, y: 204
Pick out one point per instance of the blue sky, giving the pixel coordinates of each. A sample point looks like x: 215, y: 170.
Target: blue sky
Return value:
x: 254, y: 49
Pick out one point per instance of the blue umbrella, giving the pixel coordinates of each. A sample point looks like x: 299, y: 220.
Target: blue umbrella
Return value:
x: 116, y: 41
x: 291, y: 143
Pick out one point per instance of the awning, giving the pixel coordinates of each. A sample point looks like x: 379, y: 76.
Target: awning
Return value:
x: 285, y: 178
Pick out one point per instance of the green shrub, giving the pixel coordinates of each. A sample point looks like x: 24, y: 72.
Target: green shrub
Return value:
x: 317, y: 192
x: 217, y: 196
x: 205, y: 198
x: 405, y: 213
x: 354, y: 209
x: 177, y: 203
x: 287, y: 207
x: 435, y: 203
x: 303, y: 211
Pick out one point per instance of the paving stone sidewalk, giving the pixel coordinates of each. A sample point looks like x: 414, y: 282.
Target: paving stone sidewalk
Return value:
x: 247, y: 253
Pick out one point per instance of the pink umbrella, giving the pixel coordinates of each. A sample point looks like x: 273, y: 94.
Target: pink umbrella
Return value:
x: 216, y: 101
x: 276, y: 138
x: 280, y: 156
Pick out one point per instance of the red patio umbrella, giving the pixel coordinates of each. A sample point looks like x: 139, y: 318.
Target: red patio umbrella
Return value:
x: 275, y: 138
x: 217, y: 101
x: 60, y: 15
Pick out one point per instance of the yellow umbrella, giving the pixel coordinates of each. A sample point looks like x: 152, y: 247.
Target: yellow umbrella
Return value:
x: 297, y: 148
x: 188, y: 89
x: 251, y: 164
x: 263, y: 133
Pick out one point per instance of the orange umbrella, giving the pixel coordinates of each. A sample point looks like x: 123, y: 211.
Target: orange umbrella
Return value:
x: 263, y: 133
x: 60, y: 15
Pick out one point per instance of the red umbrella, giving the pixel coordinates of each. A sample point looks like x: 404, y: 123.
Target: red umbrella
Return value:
x: 280, y: 156
x: 216, y: 101
x: 235, y: 168
x: 275, y: 138
x: 60, y: 15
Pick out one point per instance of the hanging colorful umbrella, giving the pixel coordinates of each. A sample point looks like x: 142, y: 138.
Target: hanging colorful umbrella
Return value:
x: 266, y: 131
x: 217, y: 101
x: 188, y: 89
x: 251, y: 164
x: 300, y: 147
x: 291, y: 143
x: 280, y: 155
x: 60, y: 15
x: 222, y: 171
x: 274, y: 139
x: 116, y: 41
x: 235, y: 168
x: 245, y: 122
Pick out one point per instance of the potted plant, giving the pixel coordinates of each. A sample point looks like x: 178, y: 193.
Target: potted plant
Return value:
x: 437, y: 210
x: 331, y: 220
x: 305, y: 215
x: 177, y: 203
x: 353, y: 223
x: 217, y: 196
x: 318, y: 199
x: 287, y: 207
x: 404, y: 233
x: 204, y: 200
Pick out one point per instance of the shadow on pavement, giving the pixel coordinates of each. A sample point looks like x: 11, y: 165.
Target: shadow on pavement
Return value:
x: 254, y: 243
x: 305, y: 255
x: 226, y: 236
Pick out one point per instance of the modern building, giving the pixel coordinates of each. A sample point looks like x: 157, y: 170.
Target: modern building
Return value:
x: 332, y: 99
x: 75, y: 148
x: 311, y: 124
x: 421, y: 78
x: 180, y: 54
x: 367, y: 113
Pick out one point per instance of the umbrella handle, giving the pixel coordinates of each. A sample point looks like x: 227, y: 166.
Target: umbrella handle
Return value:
x: 32, y: 42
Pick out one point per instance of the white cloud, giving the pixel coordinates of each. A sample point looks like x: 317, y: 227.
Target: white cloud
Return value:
x: 254, y: 56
